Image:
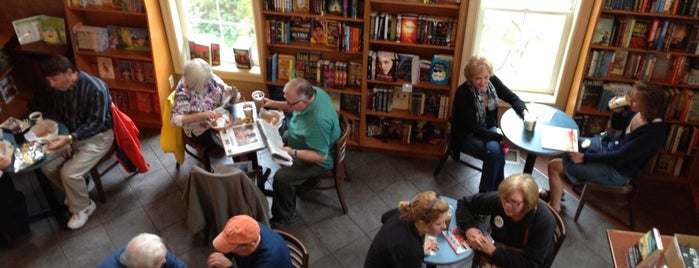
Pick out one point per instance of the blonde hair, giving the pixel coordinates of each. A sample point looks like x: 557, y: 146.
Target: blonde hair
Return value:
x: 197, y: 73
x: 523, y: 182
x: 426, y: 206
x: 476, y: 65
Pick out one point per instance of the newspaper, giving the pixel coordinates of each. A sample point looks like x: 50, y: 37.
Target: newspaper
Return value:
x: 275, y: 143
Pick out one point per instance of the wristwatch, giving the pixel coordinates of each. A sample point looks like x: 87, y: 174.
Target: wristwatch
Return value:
x: 296, y: 153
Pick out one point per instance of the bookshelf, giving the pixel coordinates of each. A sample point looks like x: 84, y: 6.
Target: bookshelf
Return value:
x: 143, y: 73
x: 344, y: 52
x: 619, y: 49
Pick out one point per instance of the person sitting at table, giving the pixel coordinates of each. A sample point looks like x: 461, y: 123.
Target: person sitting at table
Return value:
x: 522, y: 228
x: 197, y: 94
x: 310, y: 138
x: 82, y: 103
x: 615, y: 161
x: 401, y: 240
x: 251, y: 244
x: 144, y: 251
x: 474, y: 125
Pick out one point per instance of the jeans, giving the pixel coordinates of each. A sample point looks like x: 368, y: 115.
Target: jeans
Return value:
x: 490, y: 152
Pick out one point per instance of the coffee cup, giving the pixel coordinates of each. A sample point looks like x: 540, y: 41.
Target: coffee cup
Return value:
x: 259, y: 97
x: 36, y: 117
x: 529, y: 122
x: 247, y: 110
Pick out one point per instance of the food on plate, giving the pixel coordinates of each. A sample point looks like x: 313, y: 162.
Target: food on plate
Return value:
x: 270, y: 117
x: 44, y: 129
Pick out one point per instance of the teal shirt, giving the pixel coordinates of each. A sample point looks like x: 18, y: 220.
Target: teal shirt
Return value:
x: 316, y: 128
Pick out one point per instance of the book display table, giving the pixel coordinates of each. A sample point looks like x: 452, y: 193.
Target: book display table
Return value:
x: 446, y: 254
x: 621, y: 241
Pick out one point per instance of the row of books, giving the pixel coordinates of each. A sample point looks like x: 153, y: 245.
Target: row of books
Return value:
x: 596, y: 93
x: 136, y: 101
x: 653, y: 34
x: 391, y: 67
x: 100, y: 38
x: 407, y: 131
x: 126, y: 70
x: 682, y: 139
x: 644, y: 66
x: 345, y: 8
x: 417, y: 102
x: 673, y: 7
x: 309, y: 65
x: 341, y: 35
x: 345, y: 102
x: 590, y: 125
x: 413, y: 28
x: 125, y: 5
x: 681, y: 105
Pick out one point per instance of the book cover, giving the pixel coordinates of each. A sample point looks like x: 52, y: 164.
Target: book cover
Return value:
x: 333, y: 7
x: 143, y: 102
x: 200, y: 50
x: 408, y: 28
x: 335, y: 98
x: 215, y: 54
x: 401, y: 99
x: 300, y: 28
x: 619, y: 62
x: 124, y: 68
x: 301, y: 5
x: 241, y: 54
x: 665, y: 163
x: 332, y: 33
x: 121, y: 100
x: 285, y: 69
x: 440, y: 69
x: 105, y: 67
x: 8, y: 89
x: 646, y: 252
x: 53, y: 30
x: 603, y: 30
x: 28, y: 30
x: 139, y: 71
x: 386, y: 66
x: 149, y: 72
x: 318, y: 32
x: 354, y: 73
x: 136, y: 38
x: 638, y: 34
x: 559, y: 138
x: 115, y: 40
x: 679, y: 38
x: 425, y: 70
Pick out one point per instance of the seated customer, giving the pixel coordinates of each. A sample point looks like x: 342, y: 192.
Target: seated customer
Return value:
x: 143, y: 251
x: 251, y: 244
x: 198, y: 93
x: 401, y: 240
x: 616, y: 162
x: 475, y: 114
x: 521, y: 227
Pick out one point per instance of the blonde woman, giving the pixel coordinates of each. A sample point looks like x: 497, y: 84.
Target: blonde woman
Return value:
x: 522, y: 228
x: 401, y: 240
x: 475, y: 114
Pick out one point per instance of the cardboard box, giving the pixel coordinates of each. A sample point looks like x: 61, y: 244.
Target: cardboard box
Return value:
x: 673, y: 256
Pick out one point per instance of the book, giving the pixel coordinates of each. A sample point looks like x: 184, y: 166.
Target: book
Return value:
x: 386, y: 66
x: 646, y: 252
x: 105, y: 68
x: 138, y: 71
x: 332, y: 33
x: 333, y: 7
x: 408, y: 68
x: 638, y: 34
x: 300, y: 27
x: 8, y: 89
x: 619, y: 62
x: 199, y: 49
x: 90, y: 37
x: 440, y: 69
x: 408, y: 28
x: 215, y: 54
x: 456, y: 240
x: 241, y: 53
x: 354, y: 73
x: 559, y: 138
x: 114, y: 39
x: 124, y: 68
x: 302, y: 6
x: 143, y: 102
x: 44, y: 28
x: 137, y: 38
x: 603, y: 30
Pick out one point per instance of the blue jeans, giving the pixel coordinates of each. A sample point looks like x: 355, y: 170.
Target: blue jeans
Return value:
x: 493, y: 160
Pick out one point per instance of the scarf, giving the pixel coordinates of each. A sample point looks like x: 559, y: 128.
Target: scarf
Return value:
x: 482, y: 108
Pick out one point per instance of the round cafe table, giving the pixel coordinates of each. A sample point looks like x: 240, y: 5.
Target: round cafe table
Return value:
x: 513, y: 129
x: 446, y: 254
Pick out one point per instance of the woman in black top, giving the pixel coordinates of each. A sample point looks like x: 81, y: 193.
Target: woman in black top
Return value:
x: 474, y: 125
x: 401, y: 240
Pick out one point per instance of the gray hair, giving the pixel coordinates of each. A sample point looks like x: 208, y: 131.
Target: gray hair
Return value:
x: 197, y: 73
x: 144, y: 250
x: 303, y: 88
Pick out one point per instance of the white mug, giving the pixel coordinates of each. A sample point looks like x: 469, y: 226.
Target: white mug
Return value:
x: 36, y: 117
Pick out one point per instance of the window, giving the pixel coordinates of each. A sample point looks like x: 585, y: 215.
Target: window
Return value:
x: 527, y: 41
x: 228, y: 22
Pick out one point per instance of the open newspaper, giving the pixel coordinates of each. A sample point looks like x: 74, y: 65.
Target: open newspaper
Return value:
x: 274, y: 143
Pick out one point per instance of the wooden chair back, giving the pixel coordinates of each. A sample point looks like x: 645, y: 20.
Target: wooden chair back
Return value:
x: 624, y: 197
x: 297, y: 251
x: 455, y: 154
x: 338, y: 174
x: 559, y: 234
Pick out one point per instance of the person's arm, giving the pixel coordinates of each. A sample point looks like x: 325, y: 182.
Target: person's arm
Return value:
x: 464, y: 116
x: 539, y: 244
x: 620, y: 118
x: 279, y: 105
x: 507, y: 95
x: 181, y: 109
x: 478, y: 204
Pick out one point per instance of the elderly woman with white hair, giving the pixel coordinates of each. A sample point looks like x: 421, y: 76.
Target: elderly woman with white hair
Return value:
x: 143, y: 251
x: 198, y: 93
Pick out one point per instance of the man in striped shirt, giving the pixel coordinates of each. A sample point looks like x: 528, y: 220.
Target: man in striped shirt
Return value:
x: 82, y: 103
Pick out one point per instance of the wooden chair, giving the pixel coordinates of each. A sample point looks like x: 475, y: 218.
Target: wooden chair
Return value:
x: 201, y: 151
x: 297, y: 251
x: 559, y: 234
x: 96, y: 174
x: 339, y: 172
x: 624, y: 197
x: 455, y: 154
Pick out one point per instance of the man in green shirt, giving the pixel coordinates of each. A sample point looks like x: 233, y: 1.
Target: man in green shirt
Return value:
x: 312, y: 132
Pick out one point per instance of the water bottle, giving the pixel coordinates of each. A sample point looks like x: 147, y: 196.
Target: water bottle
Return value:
x: 618, y: 102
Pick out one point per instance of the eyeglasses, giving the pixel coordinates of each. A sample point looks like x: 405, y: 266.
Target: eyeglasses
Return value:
x: 513, y: 203
x: 291, y: 104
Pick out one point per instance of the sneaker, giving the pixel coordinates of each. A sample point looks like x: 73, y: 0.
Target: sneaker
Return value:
x: 79, y: 219
x: 277, y: 223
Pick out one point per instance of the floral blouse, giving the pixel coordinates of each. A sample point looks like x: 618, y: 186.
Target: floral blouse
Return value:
x: 190, y: 101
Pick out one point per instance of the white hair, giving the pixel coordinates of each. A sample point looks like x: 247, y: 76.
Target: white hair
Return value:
x: 144, y: 250
x: 197, y: 73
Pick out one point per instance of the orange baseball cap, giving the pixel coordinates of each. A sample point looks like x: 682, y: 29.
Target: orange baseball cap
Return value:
x: 240, y: 229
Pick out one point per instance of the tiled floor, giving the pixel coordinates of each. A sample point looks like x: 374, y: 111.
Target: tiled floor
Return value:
x: 151, y: 202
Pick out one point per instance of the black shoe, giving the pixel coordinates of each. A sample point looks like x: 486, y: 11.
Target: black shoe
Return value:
x: 278, y: 222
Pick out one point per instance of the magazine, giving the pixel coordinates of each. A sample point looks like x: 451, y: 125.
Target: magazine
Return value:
x: 274, y: 143
x: 559, y: 138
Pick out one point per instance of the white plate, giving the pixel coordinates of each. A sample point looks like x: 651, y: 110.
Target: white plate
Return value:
x: 42, y: 126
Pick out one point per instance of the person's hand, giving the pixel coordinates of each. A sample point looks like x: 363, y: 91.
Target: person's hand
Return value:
x: 207, y: 115
x: 479, y: 242
x: 5, y: 161
x: 525, y: 112
x: 217, y: 259
x: 430, y: 245
x: 577, y: 157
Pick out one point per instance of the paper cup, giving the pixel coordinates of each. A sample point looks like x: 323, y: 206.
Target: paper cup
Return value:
x: 36, y: 117
x: 529, y: 123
